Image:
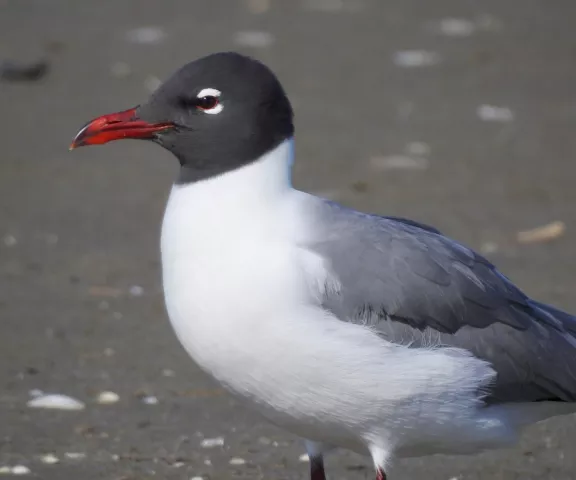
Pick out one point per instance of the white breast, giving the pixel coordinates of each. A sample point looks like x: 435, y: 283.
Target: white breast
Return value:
x: 243, y: 296
x: 232, y: 265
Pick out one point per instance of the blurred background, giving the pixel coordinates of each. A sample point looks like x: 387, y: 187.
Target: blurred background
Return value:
x: 458, y: 113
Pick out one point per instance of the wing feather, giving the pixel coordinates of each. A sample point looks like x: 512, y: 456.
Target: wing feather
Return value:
x: 414, y: 284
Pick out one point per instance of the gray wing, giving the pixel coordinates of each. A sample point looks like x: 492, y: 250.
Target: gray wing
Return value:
x: 418, y: 287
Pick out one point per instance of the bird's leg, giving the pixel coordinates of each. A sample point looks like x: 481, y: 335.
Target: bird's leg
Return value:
x: 317, y: 468
x: 379, y: 457
x: 315, y: 454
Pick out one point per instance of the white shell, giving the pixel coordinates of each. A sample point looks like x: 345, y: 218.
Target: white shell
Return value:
x: 20, y: 470
x: 56, y: 402
x: 107, y: 398
x: 212, y: 442
x: 49, y: 459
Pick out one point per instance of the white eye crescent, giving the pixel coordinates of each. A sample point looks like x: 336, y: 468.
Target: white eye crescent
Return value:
x: 209, y: 92
x: 210, y: 102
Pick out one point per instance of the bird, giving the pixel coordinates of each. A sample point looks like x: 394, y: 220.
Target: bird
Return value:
x: 352, y: 330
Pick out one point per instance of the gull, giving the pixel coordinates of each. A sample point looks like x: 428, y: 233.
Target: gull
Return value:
x: 351, y: 330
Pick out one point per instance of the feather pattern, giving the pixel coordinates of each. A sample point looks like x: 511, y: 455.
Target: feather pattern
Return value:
x: 417, y: 287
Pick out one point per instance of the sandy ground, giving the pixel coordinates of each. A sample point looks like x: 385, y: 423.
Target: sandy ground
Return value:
x: 457, y: 113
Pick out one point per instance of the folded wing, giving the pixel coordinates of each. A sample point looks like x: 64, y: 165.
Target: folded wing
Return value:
x: 420, y: 288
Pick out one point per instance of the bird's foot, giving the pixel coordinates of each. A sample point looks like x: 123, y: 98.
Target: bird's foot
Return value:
x: 380, y: 475
x: 317, y: 469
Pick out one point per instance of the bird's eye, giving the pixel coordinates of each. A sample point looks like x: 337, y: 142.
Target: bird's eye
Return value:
x: 207, y: 102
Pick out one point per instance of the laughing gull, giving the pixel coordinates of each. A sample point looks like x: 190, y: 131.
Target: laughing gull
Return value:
x: 376, y: 334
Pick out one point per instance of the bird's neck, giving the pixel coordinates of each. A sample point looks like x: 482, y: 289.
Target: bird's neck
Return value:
x: 261, y: 182
x: 244, y: 193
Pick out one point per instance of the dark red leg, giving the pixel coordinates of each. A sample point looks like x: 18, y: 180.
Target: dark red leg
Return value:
x: 380, y: 475
x: 317, y: 469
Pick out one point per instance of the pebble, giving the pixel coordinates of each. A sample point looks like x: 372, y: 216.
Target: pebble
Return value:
x: 20, y: 470
x: 416, y: 58
x: 120, y: 70
x: 212, y: 442
x: 56, y: 402
x: 325, y: 5
x: 488, y: 247
x: 107, y: 398
x: 167, y: 372
x: 49, y: 459
x: 23, y: 72
x: 456, y: 27
x: 35, y: 392
x: 399, y: 162
x: 237, y: 461
x: 492, y: 113
x: 136, y: 291
x: 150, y: 400
x: 146, y: 35
x: 417, y: 148
x: 10, y: 240
x: 197, y: 478
x: 334, y: 6
x: 258, y: 6
x: 75, y: 455
x: 359, y: 186
x: 488, y: 22
x: 264, y: 441
x: 304, y: 458
x: 254, y: 39
x: 544, y: 233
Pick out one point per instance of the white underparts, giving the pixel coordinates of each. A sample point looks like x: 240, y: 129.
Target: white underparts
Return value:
x: 243, y: 294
